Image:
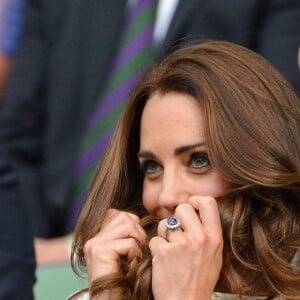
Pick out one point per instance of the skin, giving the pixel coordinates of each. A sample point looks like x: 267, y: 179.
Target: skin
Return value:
x: 175, y: 161
x: 179, y: 181
x: 5, y: 68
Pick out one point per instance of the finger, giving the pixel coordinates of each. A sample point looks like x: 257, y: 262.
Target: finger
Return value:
x: 104, y: 258
x: 126, y: 247
x: 111, y: 251
x: 208, y: 213
x: 113, y: 213
x: 156, y: 244
x: 119, y: 224
x: 166, y: 233
x: 189, y: 218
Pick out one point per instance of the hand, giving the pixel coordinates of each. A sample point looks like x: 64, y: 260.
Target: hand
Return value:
x: 187, y: 263
x: 52, y: 251
x: 120, y: 235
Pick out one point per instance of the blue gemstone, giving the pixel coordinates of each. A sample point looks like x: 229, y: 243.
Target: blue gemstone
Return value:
x: 172, y: 221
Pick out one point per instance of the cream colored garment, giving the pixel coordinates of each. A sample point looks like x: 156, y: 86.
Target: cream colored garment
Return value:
x: 216, y: 296
x: 221, y: 296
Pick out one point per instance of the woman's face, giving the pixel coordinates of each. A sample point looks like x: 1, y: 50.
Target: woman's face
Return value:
x: 173, y: 154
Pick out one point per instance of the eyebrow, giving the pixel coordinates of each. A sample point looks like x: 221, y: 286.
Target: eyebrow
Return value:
x: 186, y: 148
x: 177, y: 151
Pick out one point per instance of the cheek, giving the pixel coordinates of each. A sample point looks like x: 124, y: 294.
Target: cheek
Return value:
x: 213, y: 185
x: 219, y: 187
x: 149, y: 198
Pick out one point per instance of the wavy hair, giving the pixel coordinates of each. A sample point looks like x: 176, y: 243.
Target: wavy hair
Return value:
x: 252, y: 131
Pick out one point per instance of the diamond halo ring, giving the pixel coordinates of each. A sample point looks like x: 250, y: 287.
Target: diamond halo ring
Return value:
x: 172, y: 223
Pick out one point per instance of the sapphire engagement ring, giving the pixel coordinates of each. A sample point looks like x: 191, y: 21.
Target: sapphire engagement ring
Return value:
x: 172, y: 223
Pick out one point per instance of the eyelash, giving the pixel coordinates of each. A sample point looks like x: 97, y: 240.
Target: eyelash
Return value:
x: 144, y: 166
x: 206, y: 162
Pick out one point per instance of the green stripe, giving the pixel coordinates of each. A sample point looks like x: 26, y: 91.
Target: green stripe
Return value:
x: 134, y: 65
x: 102, y: 127
x: 126, y: 71
x: 142, y: 20
x: 110, y: 118
x: 84, y: 181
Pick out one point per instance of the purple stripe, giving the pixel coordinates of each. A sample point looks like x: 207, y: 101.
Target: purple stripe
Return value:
x: 93, y: 154
x: 114, y: 97
x: 134, y: 46
x: 112, y: 100
x: 136, y: 10
x: 75, y: 209
x: 123, y: 90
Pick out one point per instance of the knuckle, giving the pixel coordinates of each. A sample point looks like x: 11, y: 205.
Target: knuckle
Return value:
x: 183, y: 242
x: 214, y: 242
x: 201, y: 239
x: 218, y: 243
x: 195, y: 198
x: 135, y: 218
x: 126, y: 218
x: 111, y: 213
x: 181, y: 207
x: 158, y: 248
x: 153, y: 243
x: 123, y: 216
x: 132, y: 242
x: 131, y: 229
x: 163, y: 251
x: 89, y: 247
x: 209, y: 200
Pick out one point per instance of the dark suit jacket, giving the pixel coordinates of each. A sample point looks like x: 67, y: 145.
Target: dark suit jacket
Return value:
x: 64, y: 58
x: 17, y: 262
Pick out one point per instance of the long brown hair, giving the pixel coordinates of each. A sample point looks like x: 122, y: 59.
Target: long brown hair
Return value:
x: 252, y: 131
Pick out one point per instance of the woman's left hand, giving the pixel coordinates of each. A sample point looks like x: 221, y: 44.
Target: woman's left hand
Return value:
x: 187, y: 260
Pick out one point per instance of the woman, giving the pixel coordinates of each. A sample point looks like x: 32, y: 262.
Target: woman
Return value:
x: 198, y: 193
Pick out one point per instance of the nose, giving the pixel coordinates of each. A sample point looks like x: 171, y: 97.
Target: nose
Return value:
x: 173, y: 191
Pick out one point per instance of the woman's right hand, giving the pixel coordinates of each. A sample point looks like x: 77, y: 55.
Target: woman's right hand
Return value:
x: 119, y: 235
x: 187, y: 261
